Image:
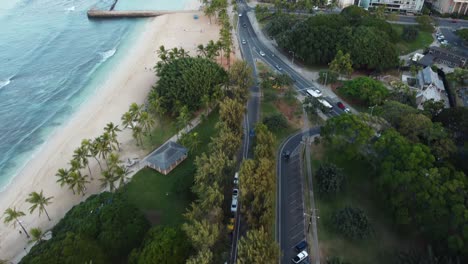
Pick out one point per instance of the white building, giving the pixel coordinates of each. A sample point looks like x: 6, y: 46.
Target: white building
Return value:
x: 345, y: 3
x: 450, y: 6
x: 407, y: 6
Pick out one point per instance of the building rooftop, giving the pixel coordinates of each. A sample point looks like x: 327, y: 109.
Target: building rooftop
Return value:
x: 167, y: 155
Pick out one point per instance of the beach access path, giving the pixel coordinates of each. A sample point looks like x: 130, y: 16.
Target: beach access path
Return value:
x: 129, y: 82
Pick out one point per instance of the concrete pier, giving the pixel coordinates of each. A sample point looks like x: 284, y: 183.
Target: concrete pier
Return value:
x: 131, y: 14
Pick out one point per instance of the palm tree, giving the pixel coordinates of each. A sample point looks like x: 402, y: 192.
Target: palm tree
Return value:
x: 112, y: 130
x: 146, y: 122
x: 78, y: 182
x: 64, y: 176
x: 36, y: 235
x: 75, y: 164
x: 137, y: 132
x: 38, y: 201
x: 127, y: 120
x: 113, y: 161
x: 94, y: 150
x: 135, y: 110
x: 162, y: 53
x: 121, y: 173
x: 13, y: 215
x: 201, y: 50
x: 103, y: 147
x: 108, y: 179
x: 81, y: 154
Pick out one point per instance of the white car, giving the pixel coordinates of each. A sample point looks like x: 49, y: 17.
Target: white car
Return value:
x: 444, y: 42
x: 244, y: 42
x: 234, y: 206
x: 240, y: 14
x: 278, y: 67
x: 347, y: 110
x: 236, y: 178
x: 262, y: 53
x: 300, y: 257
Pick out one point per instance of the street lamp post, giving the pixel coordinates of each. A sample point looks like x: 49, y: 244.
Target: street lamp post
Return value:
x: 372, y: 109
x: 292, y: 60
x: 313, y: 215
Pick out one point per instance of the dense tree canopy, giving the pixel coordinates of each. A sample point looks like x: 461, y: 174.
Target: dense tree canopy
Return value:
x: 257, y: 247
x: 352, y: 222
x: 108, y: 220
x: 162, y: 245
x: 185, y: 81
x: 317, y: 39
x: 330, y: 178
x: 370, y: 91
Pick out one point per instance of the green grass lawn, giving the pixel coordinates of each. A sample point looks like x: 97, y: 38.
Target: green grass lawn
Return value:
x: 164, y: 198
x: 423, y: 40
x: 359, y: 192
x: 162, y: 131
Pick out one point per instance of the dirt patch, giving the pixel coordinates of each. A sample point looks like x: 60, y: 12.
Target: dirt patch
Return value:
x: 153, y: 216
x: 290, y: 112
x: 318, y: 150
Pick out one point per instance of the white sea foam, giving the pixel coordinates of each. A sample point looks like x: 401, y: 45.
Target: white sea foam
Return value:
x: 107, y: 54
x: 70, y: 9
x: 4, y: 83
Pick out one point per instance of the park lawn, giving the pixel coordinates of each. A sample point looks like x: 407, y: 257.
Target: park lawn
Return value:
x: 359, y: 192
x: 423, y: 40
x: 164, y: 198
x: 164, y: 129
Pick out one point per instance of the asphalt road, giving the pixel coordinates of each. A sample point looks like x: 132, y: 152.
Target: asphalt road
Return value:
x: 291, y: 223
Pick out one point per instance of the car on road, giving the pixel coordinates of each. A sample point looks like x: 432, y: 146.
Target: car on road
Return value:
x: 235, y: 193
x: 278, y: 67
x: 231, y: 224
x: 251, y: 132
x: 286, y: 154
x: 341, y: 105
x: 234, y: 206
x: 444, y: 42
x: 262, y: 53
x: 240, y: 14
x: 244, y: 42
x: 440, y: 38
x: 453, y: 21
x: 236, y: 178
x: 301, y: 246
x: 300, y: 257
x: 244, y: 25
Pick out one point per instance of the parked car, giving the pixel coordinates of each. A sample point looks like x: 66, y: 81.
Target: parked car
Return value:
x: 300, y: 257
x: 235, y: 193
x: 240, y: 14
x: 234, y: 206
x: 244, y: 25
x: 286, y: 154
x: 301, y: 246
x: 236, y: 178
x: 444, y: 42
x: 262, y: 53
x: 231, y: 224
x: 347, y: 110
x: 278, y: 67
x: 341, y: 106
x: 244, y: 42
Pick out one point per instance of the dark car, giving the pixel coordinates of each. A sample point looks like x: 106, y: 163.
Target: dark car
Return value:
x: 286, y: 154
x: 301, y: 246
x: 341, y: 105
x: 244, y: 25
x: 251, y: 132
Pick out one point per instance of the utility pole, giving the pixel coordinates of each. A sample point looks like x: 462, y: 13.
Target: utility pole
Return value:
x: 292, y: 60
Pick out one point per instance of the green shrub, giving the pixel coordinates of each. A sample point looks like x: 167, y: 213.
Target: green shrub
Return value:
x: 275, y: 122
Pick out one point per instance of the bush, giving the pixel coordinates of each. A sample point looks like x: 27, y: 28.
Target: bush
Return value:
x: 352, y: 223
x: 409, y: 33
x: 275, y: 122
x: 162, y: 245
x: 108, y: 220
x: 330, y: 178
x: 368, y: 90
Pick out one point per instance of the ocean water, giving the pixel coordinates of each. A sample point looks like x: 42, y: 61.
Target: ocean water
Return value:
x: 52, y: 59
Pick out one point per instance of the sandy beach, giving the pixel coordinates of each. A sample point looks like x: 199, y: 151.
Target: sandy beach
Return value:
x: 129, y: 82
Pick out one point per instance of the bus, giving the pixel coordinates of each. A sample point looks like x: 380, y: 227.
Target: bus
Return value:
x: 314, y: 93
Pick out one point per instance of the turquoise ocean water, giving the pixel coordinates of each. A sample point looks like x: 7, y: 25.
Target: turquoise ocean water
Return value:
x: 52, y: 59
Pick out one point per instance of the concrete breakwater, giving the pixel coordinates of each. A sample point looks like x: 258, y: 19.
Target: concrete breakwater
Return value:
x: 129, y: 14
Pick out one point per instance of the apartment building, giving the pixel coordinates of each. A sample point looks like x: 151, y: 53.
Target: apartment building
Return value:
x: 405, y: 6
x: 450, y: 6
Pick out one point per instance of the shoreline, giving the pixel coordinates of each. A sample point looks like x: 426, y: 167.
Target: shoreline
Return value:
x: 130, y: 81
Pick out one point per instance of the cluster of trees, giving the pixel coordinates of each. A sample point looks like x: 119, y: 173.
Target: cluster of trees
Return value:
x: 369, y: 91
x: 215, y: 168
x: 316, y: 40
x: 139, y: 121
x: 352, y: 223
x: 424, y: 191
x: 257, y: 185
x: 103, y: 229
x: 463, y: 33
x: 330, y: 179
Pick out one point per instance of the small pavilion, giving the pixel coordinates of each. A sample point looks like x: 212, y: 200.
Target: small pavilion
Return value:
x: 166, y: 157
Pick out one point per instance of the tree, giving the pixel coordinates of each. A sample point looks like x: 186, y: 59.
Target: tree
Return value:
x: 402, y: 93
x: 352, y: 223
x: 433, y: 108
x: 203, y: 256
x: 146, y: 122
x: 410, y: 33
x: 368, y: 90
x: 275, y: 122
x: 257, y: 247
x: 415, y: 127
x: 393, y: 111
x: 184, y: 118
x: 108, y: 180
x: 11, y: 215
x: 463, y: 33
x: 121, y: 172
x: 190, y: 140
x: 93, y: 148
x: 39, y: 201
x: 330, y: 178
x: 81, y: 156
x: 184, y: 81
x: 137, y: 133
x: 63, y: 176
x: 127, y: 120
x: 425, y: 23
x: 162, y: 245
x: 36, y: 235
x: 77, y: 182
x: 342, y: 63
x: 240, y: 79
x: 232, y: 113
x: 336, y: 260
x: 112, y: 130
